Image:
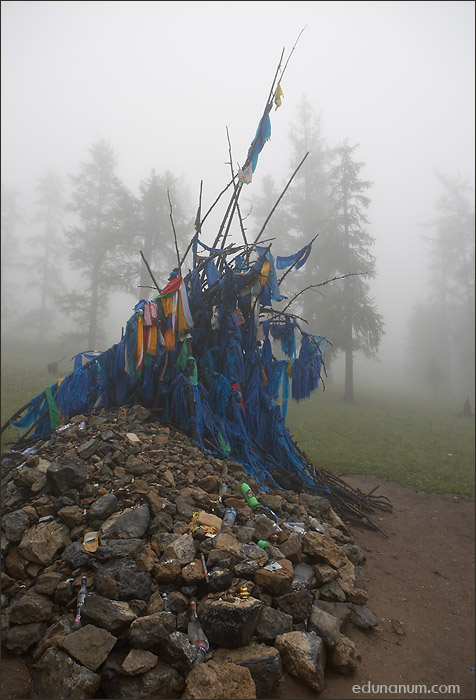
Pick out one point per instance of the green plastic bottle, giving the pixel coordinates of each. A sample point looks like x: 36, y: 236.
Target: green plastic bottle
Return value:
x: 250, y: 498
x: 262, y: 544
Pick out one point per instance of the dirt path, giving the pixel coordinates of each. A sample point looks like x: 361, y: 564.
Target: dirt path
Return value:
x: 421, y: 576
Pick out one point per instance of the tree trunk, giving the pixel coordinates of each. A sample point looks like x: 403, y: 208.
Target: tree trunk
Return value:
x: 349, y: 364
x: 93, y: 309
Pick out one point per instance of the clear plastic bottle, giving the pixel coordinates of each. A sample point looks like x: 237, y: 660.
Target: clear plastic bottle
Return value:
x: 83, y: 592
x: 223, y: 490
x: 229, y: 517
x: 165, y: 598
x: 196, y: 634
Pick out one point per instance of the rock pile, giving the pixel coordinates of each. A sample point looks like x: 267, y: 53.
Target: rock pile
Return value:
x: 132, y: 505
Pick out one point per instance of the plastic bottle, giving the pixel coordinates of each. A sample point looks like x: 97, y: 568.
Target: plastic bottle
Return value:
x: 165, y: 598
x: 83, y: 592
x: 223, y: 489
x: 229, y: 517
x: 314, y: 524
x: 196, y: 634
x: 262, y: 544
x: 249, y: 496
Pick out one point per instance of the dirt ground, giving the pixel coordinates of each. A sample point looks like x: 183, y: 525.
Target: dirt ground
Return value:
x: 421, y: 583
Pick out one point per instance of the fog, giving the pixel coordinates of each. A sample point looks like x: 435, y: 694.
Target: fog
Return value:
x: 162, y: 81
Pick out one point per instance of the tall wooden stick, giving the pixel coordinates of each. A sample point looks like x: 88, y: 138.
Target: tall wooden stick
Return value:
x: 278, y: 201
x: 175, y: 235
x: 150, y: 271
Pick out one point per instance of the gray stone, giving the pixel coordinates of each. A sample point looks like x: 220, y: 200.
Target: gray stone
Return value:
x: 55, y: 632
x: 118, y: 549
x: 130, y: 523
x: 149, y: 631
x: 66, y: 476
x: 88, y: 448
x: 182, y: 549
x: 231, y: 624
x: 163, y: 522
x: 304, y: 657
x: 103, y: 507
x: 31, y: 607
x: 21, y: 637
x: 74, y: 555
x: 296, y: 603
x: 113, y: 615
x: 57, y: 676
x: 120, y: 579
x: 325, y: 625
x: 43, y: 542
x: 354, y: 553
x: 332, y: 592
x: 89, y: 645
x: 362, y: 617
x: 179, y: 652
x: 272, y: 622
x: 263, y: 662
x: 160, y: 682
x: 15, y: 524
x: 341, y: 611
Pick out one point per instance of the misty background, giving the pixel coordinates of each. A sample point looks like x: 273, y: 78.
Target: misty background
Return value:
x: 162, y: 82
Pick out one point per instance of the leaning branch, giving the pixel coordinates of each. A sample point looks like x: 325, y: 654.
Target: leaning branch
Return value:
x: 321, y: 284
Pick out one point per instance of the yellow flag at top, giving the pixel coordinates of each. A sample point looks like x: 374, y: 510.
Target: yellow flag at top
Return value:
x: 278, y: 95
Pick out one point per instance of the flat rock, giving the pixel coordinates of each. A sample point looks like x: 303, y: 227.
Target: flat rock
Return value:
x: 138, y: 661
x: 278, y: 581
x: 89, y: 645
x: 41, y: 543
x: 215, y: 681
x: 130, y: 523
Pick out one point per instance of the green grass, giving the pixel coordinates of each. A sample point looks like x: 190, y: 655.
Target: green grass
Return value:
x: 414, y: 441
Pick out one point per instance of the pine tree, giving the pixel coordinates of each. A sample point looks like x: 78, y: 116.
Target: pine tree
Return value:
x: 105, y: 212
x: 45, y: 265
x: 348, y: 316
x: 452, y: 277
x: 12, y: 217
x: 162, y: 207
x: 307, y: 206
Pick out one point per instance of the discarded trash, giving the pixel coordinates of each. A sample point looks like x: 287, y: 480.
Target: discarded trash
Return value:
x: 250, y: 498
x: 44, y: 518
x: 262, y: 544
x: 314, y: 524
x: 166, y: 602
x: 229, y: 517
x: 83, y: 592
x: 196, y: 633
x: 273, y: 567
x: 91, y: 541
x: 204, y: 564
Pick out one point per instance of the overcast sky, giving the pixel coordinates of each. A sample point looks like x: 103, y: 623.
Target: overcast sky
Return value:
x: 161, y: 82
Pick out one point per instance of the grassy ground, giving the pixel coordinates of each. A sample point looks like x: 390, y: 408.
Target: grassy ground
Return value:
x: 416, y: 442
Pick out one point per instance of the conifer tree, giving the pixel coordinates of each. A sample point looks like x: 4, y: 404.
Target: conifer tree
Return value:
x: 45, y: 263
x: 347, y: 315
x: 105, y: 212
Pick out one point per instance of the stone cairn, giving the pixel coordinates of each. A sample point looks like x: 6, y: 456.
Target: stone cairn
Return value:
x: 132, y: 505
